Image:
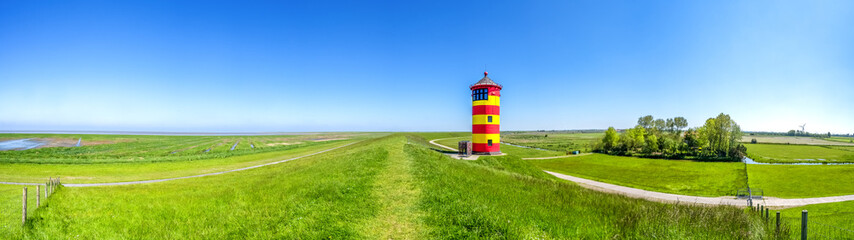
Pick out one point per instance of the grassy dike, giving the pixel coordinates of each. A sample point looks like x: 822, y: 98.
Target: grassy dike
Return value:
x: 394, y: 186
x: 135, y: 171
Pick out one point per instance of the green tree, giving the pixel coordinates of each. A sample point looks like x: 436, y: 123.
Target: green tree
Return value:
x: 722, y: 135
x: 670, y: 125
x: 611, y: 139
x: 632, y: 139
x: 646, y: 121
x: 668, y: 145
x: 636, y: 137
x: 659, y: 125
x: 651, y: 144
x: 693, y: 141
x: 679, y: 123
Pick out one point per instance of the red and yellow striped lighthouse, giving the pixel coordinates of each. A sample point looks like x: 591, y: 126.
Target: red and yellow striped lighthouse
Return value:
x: 485, y: 116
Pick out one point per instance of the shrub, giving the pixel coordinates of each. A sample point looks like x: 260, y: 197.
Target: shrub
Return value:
x: 753, y: 141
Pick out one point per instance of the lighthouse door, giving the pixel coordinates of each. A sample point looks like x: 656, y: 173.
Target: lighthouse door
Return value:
x: 489, y: 142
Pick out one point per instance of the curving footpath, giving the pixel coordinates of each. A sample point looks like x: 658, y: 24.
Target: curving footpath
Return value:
x: 176, y: 178
x: 685, y: 199
x: 443, y: 146
x: 564, y: 156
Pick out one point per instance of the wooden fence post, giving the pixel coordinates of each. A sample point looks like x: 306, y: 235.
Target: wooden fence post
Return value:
x: 49, y: 184
x: 804, y: 225
x: 767, y: 212
x: 38, y: 196
x: 778, y: 222
x: 24, y: 211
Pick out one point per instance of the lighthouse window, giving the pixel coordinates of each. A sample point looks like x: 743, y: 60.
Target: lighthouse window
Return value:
x: 489, y: 142
x: 488, y: 118
x: 480, y: 94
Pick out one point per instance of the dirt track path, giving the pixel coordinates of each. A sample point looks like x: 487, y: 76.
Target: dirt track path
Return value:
x: 185, y: 177
x: 443, y: 146
x: 685, y: 199
x: 564, y: 156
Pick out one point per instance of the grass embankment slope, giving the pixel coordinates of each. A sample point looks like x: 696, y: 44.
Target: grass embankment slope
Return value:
x: 134, y: 171
x: 393, y: 186
x: 799, y: 153
x: 116, y: 158
x: 711, y: 179
x: 508, y: 149
x: 153, y: 148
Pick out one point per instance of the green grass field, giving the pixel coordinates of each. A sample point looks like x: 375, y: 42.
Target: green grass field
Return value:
x: 671, y: 176
x: 134, y: 171
x: 799, y: 153
x: 153, y: 148
x: 825, y: 221
x: 801, y: 181
x: 707, y: 178
x: 508, y: 149
x: 562, y: 142
x: 841, y: 139
x: 118, y: 158
x: 393, y: 186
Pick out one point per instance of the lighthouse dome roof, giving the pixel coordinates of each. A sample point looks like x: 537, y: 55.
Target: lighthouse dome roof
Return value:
x: 485, y: 82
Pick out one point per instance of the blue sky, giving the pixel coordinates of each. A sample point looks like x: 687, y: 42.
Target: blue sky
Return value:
x: 406, y: 65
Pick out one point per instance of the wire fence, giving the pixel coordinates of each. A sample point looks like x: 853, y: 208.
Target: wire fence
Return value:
x: 828, y: 231
x: 818, y: 226
x: 18, y: 203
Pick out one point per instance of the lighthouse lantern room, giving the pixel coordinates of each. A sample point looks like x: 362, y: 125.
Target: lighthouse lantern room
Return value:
x: 485, y: 116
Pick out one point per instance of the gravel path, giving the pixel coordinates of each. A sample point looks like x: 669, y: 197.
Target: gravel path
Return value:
x: 684, y: 199
x: 176, y: 178
x: 564, y: 156
x: 443, y: 146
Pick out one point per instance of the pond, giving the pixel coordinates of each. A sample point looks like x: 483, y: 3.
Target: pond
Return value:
x: 19, y: 144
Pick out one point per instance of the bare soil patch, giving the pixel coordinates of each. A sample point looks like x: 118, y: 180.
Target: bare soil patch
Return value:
x: 327, y: 139
x: 282, y: 143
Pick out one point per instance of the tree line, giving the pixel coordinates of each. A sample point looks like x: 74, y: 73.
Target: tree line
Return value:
x: 717, y: 139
